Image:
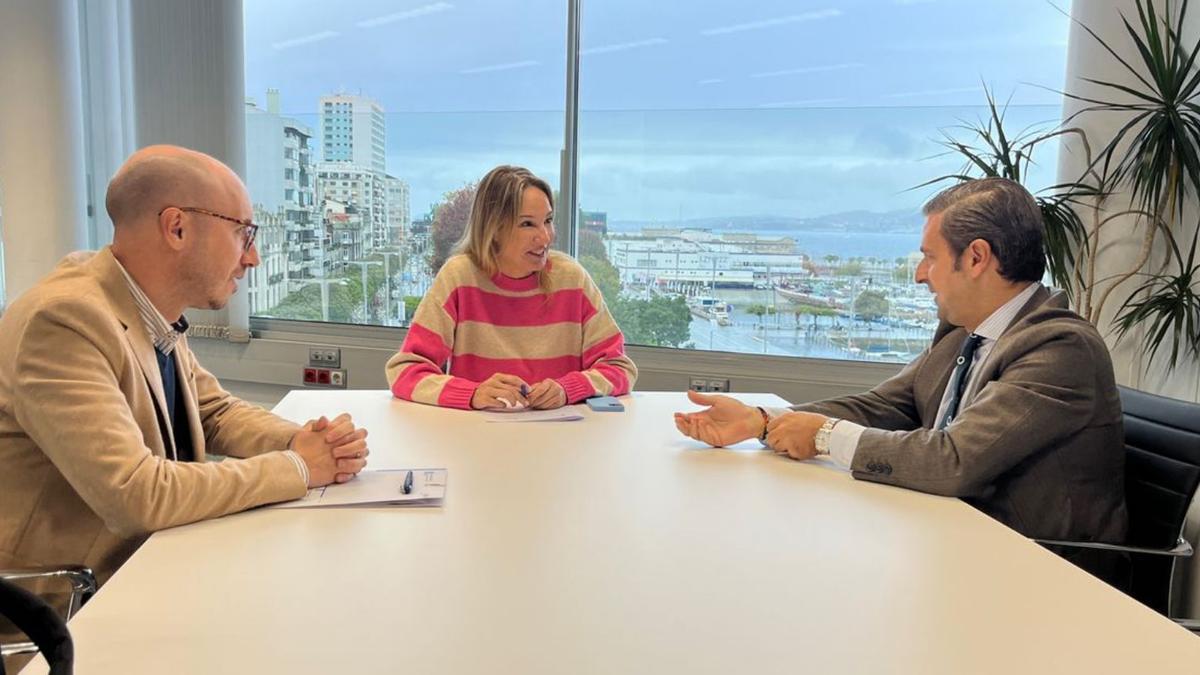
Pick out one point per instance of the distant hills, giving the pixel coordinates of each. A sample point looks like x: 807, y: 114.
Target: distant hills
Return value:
x: 904, y: 221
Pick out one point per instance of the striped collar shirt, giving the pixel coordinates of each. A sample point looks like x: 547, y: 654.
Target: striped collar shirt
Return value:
x: 164, y: 334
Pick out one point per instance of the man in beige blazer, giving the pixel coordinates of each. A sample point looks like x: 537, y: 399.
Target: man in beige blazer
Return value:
x: 1027, y: 428
x: 95, y: 453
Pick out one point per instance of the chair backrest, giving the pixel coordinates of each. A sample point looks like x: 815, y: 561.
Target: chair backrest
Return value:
x: 41, y: 623
x: 1162, y: 471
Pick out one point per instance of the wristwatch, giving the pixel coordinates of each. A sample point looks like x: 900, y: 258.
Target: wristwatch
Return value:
x: 821, y: 439
x: 766, y: 419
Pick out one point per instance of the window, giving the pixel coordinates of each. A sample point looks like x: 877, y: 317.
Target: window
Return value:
x: 745, y: 171
x: 398, y: 126
x: 748, y: 167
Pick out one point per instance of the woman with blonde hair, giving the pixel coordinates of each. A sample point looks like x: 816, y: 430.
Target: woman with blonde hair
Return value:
x: 508, y: 322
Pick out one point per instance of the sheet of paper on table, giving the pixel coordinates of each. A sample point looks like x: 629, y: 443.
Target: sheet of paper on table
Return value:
x: 565, y: 414
x: 384, y: 487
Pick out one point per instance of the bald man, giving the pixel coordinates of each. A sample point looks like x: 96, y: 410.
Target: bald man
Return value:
x: 105, y: 415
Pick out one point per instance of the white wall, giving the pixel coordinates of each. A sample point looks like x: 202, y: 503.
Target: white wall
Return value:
x: 1121, y: 239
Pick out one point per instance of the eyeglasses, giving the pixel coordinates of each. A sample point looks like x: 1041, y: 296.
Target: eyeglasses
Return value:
x: 249, y: 229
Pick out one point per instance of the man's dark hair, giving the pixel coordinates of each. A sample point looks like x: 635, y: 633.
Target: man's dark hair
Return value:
x: 1000, y: 212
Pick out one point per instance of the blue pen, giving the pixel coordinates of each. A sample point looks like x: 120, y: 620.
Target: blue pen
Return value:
x: 407, y: 483
x: 524, y: 390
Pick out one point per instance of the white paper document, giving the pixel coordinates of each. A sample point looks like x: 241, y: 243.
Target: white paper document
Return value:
x: 380, y: 487
x: 564, y: 414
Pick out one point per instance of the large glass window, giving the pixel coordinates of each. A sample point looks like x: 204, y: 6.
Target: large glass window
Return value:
x: 745, y: 172
x: 367, y: 125
x: 745, y: 169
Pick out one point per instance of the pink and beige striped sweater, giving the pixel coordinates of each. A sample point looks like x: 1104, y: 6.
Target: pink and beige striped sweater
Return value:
x: 469, y: 327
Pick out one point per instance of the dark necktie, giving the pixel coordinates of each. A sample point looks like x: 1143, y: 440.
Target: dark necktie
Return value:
x: 176, y: 410
x: 173, y: 393
x: 958, y: 381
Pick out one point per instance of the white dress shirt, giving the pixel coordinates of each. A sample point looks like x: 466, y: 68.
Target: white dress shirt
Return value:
x: 843, y: 440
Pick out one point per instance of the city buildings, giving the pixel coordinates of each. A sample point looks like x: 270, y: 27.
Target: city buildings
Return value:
x: 353, y: 130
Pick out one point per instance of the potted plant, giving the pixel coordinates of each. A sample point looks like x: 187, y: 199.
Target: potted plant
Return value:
x: 1154, y: 157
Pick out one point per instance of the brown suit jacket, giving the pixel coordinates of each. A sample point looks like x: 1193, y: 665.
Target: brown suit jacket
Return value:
x: 84, y: 434
x: 1040, y: 446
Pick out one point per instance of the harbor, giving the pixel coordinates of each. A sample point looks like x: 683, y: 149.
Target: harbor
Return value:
x: 761, y: 295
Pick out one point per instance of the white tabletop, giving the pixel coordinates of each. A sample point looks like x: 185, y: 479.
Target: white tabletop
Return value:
x: 610, y: 545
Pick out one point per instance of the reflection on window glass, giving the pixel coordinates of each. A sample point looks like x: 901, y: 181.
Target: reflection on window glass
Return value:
x: 746, y: 169
x: 367, y: 125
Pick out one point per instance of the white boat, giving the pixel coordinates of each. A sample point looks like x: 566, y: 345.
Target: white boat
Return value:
x: 713, y: 309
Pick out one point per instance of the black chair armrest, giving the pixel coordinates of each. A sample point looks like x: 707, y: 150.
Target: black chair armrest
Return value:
x: 82, y: 580
x: 1181, y: 549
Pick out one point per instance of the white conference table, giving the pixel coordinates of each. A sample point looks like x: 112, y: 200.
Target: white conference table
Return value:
x: 610, y: 545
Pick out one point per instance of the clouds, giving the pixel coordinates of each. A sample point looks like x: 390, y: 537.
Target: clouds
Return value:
x: 304, y: 40
x: 772, y: 23
x: 498, y: 66
x: 620, y: 47
x: 737, y: 107
x: 806, y: 70
x: 424, y: 10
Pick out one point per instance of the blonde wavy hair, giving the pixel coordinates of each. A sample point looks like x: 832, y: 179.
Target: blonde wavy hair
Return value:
x: 494, y: 214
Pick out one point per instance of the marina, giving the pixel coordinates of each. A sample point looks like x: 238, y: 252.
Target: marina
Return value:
x: 750, y: 293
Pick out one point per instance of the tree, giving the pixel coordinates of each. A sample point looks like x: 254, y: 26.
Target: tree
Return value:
x: 758, y: 309
x: 658, y: 322
x: 411, y: 302
x: 591, y: 245
x: 449, y: 223
x: 606, y: 277
x: 305, y: 304
x: 852, y: 268
x: 813, y: 311
x: 871, y: 305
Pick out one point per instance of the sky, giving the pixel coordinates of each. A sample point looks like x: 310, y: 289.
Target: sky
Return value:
x: 688, y: 109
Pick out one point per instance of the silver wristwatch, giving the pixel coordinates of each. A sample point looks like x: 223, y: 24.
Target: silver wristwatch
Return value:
x: 821, y: 440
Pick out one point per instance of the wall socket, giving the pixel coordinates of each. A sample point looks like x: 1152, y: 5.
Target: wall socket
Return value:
x: 702, y: 383
x: 325, y: 357
x: 324, y: 377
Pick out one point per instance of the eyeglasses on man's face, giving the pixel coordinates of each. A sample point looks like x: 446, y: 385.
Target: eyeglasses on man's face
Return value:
x: 249, y: 229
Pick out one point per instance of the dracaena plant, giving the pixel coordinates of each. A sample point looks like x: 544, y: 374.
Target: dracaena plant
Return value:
x: 989, y: 151
x: 1154, y: 157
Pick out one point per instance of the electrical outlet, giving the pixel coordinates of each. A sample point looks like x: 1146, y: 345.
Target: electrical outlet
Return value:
x: 325, y: 378
x: 718, y: 384
x: 325, y: 357
x: 705, y: 383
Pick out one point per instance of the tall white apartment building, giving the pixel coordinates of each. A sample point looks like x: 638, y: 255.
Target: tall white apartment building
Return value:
x: 396, y: 191
x: 281, y: 183
x: 353, y: 130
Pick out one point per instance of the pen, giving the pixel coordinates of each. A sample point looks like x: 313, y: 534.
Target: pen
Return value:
x: 407, y: 483
x: 524, y: 390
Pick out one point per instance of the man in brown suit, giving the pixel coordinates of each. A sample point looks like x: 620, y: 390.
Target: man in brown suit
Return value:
x: 105, y: 415
x: 1013, y: 407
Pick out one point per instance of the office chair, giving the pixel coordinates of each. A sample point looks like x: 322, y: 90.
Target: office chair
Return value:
x: 1162, y: 472
x: 38, y: 620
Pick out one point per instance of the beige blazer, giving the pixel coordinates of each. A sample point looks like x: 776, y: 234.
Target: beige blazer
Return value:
x: 1040, y: 447
x: 85, y: 437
